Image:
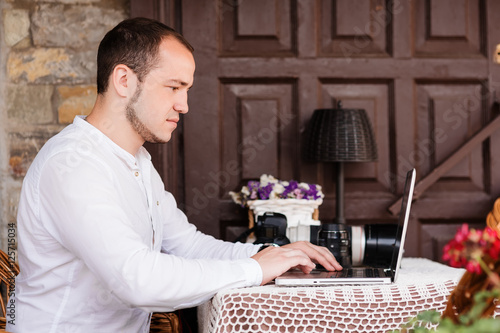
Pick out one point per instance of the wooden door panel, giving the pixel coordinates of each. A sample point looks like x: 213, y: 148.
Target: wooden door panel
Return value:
x: 259, y: 131
x: 259, y: 28
x: 356, y: 28
x: 450, y: 28
x: 448, y: 115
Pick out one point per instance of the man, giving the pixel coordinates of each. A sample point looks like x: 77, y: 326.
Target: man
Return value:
x: 101, y: 243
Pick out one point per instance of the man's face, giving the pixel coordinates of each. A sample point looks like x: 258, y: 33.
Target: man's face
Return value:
x: 154, y: 109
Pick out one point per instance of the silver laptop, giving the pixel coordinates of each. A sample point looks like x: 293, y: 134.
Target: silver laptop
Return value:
x: 361, y: 275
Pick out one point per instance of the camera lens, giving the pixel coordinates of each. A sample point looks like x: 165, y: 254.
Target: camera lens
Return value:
x: 371, y: 244
x: 358, y: 245
x: 266, y: 233
x: 335, y: 237
x: 380, y: 240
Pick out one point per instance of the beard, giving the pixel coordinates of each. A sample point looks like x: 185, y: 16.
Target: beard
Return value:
x: 137, y: 124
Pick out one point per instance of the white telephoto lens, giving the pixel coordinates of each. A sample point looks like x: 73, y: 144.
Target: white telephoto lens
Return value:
x: 358, y: 242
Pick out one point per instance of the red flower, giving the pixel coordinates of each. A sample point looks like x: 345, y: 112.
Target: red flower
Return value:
x: 473, y: 267
x: 468, y: 247
x: 462, y: 233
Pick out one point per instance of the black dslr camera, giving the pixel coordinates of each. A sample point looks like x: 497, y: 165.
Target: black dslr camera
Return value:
x: 371, y: 244
x: 271, y: 228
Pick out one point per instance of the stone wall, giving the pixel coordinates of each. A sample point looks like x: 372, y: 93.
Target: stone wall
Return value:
x: 47, y: 55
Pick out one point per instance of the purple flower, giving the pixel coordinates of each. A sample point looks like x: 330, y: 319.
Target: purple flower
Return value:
x: 312, y: 193
x: 253, y: 185
x: 265, y: 191
x: 256, y: 190
x: 292, y: 186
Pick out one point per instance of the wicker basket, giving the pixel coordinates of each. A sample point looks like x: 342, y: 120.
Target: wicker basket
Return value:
x: 164, y: 322
x: 493, y: 218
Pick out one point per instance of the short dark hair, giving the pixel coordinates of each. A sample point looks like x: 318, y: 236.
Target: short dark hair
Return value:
x: 135, y: 43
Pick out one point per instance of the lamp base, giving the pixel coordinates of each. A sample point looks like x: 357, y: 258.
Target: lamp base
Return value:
x: 340, y: 194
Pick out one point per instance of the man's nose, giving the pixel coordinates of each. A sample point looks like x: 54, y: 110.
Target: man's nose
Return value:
x: 181, y: 105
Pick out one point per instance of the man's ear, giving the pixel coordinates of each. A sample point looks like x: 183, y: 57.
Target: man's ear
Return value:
x: 124, y: 80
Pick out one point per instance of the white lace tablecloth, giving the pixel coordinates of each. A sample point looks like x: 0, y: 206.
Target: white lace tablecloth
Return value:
x: 422, y: 285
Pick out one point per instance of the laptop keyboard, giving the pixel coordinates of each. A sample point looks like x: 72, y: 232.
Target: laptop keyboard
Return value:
x: 361, y: 272
x: 346, y: 272
x: 372, y: 272
x: 357, y: 272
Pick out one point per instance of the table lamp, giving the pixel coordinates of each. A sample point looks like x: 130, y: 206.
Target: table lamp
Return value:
x: 340, y: 135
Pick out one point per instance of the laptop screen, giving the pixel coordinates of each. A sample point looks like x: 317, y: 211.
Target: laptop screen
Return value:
x: 404, y: 215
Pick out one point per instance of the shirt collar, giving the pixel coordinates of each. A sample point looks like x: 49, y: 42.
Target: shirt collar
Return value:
x: 100, y: 138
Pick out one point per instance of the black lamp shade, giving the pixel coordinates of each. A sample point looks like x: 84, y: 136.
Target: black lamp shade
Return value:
x: 340, y: 135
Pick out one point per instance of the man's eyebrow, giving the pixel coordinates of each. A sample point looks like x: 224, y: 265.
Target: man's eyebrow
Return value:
x: 179, y: 82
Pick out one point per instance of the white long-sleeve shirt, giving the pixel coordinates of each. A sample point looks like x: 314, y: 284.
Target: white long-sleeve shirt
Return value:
x: 101, y: 244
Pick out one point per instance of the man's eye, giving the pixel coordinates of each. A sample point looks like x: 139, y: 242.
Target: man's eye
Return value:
x: 174, y: 88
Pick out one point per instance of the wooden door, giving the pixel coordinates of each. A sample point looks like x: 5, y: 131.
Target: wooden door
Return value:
x: 422, y: 69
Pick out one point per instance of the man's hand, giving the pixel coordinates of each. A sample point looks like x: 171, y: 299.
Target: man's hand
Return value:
x: 318, y: 254
x: 274, y: 261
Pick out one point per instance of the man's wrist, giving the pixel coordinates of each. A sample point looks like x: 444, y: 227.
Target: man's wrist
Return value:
x: 266, y: 245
